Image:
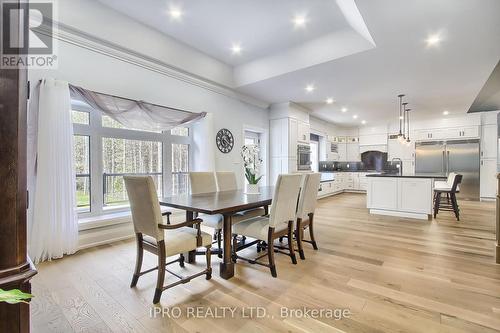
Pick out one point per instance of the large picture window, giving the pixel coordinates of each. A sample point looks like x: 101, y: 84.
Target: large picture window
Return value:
x: 105, y: 151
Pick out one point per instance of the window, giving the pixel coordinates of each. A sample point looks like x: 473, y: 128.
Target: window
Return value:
x: 180, y: 131
x: 105, y: 151
x: 81, y: 148
x: 180, y: 168
x: 128, y: 157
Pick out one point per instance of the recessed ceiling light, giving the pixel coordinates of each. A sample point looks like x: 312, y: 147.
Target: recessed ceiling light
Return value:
x: 355, y: 116
x: 401, y: 117
x: 433, y: 40
x: 344, y: 110
x: 363, y: 122
x: 175, y: 13
x: 445, y: 112
x: 299, y: 21
x: 310, y: 88
x: 329, y: 100
x: 236, y: 49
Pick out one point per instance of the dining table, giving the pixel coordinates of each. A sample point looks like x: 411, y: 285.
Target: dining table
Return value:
x: 226, y: 203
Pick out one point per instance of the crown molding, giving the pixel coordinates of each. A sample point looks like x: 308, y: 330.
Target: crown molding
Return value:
x: 79, y: 38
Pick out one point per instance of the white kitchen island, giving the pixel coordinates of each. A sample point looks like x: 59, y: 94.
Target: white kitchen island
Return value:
x: 404, y: 196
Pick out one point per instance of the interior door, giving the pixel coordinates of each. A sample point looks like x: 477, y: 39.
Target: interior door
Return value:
x: 463, y: 158
x: 430, y: 158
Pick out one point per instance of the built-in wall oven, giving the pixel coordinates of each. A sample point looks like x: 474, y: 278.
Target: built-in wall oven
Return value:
x: 303, y: 157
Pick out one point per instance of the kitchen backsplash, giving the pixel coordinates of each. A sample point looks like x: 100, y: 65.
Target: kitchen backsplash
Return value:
x: 326, y: 166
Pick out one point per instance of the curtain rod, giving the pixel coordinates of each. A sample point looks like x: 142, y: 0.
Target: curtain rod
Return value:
x: 129, y: 99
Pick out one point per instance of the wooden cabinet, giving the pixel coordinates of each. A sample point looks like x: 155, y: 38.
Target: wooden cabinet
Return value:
x: 489, y: 139
x: 488, y: 172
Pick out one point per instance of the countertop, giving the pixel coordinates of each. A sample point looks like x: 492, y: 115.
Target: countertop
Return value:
x: 395, y: 175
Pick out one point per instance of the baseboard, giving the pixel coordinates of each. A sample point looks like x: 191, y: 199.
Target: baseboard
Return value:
x: 418, y: 216
x: 105, y: 235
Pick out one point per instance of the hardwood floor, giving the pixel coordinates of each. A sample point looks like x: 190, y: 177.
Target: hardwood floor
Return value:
x: 393, y: 274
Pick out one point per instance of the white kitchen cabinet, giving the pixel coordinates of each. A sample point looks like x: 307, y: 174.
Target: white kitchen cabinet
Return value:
x: 396, y: 149
x: 304, y: 131
x: 352, y: 152
x: 342, y: 152
x: 489, y: 139
x: 408, y: 198
x: 488, y: 182
x: 465, y: 132
x: 293, y: 130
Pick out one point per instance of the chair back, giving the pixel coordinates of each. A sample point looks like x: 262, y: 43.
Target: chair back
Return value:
x: 146, y: 212
x: 457, y: 181
x: 226, y: 181
x: 286, y: 195
x: 451, y: 179
x: 308, y: 195
x: 202, y: 182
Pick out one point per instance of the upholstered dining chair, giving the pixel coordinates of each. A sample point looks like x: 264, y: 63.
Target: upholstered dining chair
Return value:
x: 279, y: 222
x: 305, y: 210
x: 226, y: 181
x: 205, y: 182
x: 159, y: 238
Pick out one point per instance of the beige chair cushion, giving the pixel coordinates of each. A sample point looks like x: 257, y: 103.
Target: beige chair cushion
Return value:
x: 256, y: 227
x: 202, y: 182
x: 215, y: 221
x: 181, y: 240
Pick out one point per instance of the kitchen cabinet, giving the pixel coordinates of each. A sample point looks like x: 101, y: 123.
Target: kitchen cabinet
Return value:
x: 396, y: 149
x: 465, y: 132
x: 342, y: 152
x: 293, y: 134
x: 408, y: 167
x: 489, y: 141
x: 352, y: 152
x: 488, y: 182
x: 303, y: 132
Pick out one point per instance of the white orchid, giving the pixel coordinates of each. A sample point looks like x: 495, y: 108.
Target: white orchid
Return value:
x: 251, y: 162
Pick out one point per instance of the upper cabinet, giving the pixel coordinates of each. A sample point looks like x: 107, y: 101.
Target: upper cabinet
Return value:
x: 304, y: 131
x: 466, y: 132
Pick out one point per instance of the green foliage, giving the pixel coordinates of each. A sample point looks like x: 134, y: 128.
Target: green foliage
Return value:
x: 251, y: 178
x: 14, y: 296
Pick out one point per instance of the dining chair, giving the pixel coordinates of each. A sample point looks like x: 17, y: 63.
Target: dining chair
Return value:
x: 159, y: 238
x: 279, y: 222
x: 226, y: 181
x: 305, y: 210
x: 205, y: 182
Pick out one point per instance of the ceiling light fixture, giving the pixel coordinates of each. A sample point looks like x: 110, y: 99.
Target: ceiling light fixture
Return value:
x: 175, y: 13
x: 355, y: 116
x: 344, y: 110
x: 329, y: 100
x: 299, y: 21
x: 310, y: 88
x: 236, y: 49
x: 445, y: 112
x: 401, y: 118
x: 433, y: 40
x: 363, y: 122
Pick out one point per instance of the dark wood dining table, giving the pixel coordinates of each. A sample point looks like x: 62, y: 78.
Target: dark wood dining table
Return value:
x: 226, y: 203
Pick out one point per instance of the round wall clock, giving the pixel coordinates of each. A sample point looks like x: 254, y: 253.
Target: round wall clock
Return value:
x: 225, y: 140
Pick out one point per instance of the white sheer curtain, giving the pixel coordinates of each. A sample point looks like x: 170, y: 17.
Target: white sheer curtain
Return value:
x: 53, y: 228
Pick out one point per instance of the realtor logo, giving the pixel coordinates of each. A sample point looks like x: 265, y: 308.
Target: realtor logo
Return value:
x: 27, y: 39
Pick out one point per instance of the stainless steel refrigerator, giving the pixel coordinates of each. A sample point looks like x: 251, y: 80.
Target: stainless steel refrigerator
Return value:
x: 443, y: 157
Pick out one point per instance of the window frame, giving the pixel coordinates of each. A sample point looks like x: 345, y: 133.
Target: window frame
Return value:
x: 97, y: 132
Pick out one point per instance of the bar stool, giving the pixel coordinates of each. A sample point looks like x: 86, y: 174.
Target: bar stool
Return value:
x: 451, y: 203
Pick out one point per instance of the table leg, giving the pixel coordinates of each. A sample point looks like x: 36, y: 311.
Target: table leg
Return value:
x: 191, y: 255
x: 227, y: 265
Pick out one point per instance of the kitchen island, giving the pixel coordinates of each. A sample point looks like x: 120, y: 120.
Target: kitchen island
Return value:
x: 407, y: 196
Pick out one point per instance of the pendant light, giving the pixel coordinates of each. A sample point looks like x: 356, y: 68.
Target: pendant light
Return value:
x: 400, y: 115
x: 404, y: 121
x: 408, y: 126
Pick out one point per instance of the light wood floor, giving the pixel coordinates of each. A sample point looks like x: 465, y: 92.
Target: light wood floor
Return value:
x: 395, y: 275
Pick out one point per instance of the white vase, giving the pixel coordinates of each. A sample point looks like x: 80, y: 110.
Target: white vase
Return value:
x: 252, y: 188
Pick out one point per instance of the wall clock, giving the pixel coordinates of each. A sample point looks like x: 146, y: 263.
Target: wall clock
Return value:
x: 225, y: 140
